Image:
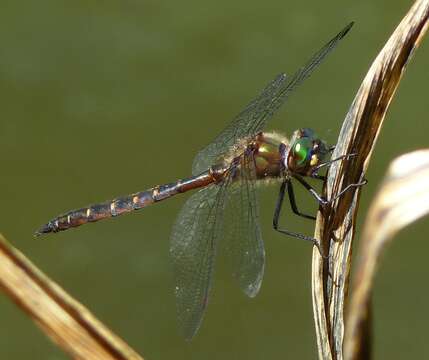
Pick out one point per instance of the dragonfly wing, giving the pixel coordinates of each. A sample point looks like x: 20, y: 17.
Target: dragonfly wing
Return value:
x: 297, y: 79
x: 193, y: 249
x: 255, y: 116
x: 243, y: 234
x: 238, y: 128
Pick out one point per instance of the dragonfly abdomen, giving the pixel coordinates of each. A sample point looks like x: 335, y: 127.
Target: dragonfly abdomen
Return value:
x: 127, y: 203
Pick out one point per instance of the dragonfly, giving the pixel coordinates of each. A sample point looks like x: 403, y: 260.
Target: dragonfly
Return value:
x: 225, y: 208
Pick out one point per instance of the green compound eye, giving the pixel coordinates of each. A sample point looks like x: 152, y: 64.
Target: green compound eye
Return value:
x: 301, y: 150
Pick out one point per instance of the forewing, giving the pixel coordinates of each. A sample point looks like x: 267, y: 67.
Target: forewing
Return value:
x: 193, y: 249
x: 239, y: 127
x: 255, y: 116
x: 243, y: 234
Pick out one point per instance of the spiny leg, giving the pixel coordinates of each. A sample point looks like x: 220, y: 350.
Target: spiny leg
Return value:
x: 315, y: 175
x: 321, y: 200
x: 276, y: 217
x: 330, y: 162
x: 293, y: 202
x: 347, y: 188
x: 318, y: 177
x: 311, y: 190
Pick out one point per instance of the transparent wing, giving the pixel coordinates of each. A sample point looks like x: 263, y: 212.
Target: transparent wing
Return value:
x: 254, y: 117
x: 239, y: 127
x: 193, y: 249
x: 243, y: 234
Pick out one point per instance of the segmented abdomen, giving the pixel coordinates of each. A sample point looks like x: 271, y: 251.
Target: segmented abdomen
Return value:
x: 126, y: 204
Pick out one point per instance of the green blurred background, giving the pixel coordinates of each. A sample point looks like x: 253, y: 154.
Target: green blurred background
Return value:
x: 100, y: 99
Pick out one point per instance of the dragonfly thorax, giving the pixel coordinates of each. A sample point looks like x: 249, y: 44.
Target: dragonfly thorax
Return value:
x: 268, y: 158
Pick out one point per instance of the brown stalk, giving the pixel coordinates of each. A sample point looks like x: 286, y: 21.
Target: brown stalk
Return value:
x: 335, y: 224
x: 402, y: 199
x: 67, y: 322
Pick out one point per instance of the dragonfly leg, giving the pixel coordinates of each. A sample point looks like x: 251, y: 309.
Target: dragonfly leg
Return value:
x: 310, y: 189
x: 328, y: 163
x: 293, y: 202
x: 347, y: 188
x: 318, y: 177
x: 276, y: 217
x: 319, y: 198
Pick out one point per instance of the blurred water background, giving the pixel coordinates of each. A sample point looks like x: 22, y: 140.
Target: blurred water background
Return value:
x: 100, y: 99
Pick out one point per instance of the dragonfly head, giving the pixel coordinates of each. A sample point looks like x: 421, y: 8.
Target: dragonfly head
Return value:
x: 306, y: 152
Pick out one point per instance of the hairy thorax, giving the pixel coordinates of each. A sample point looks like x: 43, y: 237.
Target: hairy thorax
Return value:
x: 266, y: 156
